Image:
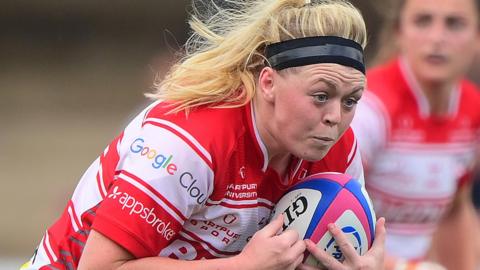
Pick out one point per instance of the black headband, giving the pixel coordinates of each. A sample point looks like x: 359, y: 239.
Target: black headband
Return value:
x: 315, y: 50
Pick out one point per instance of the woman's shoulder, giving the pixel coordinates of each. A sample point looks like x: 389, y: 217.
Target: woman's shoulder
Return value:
x: 387, y: 87
x: 471, y: 90
x: 470, y: 99
x: 209, y: 126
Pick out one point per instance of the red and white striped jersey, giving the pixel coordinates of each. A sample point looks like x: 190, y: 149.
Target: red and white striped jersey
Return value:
x: 414, y: 160
x: 186, y: 187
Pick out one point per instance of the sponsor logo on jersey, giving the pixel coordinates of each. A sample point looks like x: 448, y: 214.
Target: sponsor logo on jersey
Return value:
x: 186, y: 180
x: 224, y: 234
x: 159, y: 160
x: 136, y: 208
x: 241, y: 191
x: 189, y: 183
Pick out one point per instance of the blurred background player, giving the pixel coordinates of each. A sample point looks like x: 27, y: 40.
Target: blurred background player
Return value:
x: 249, y: 111
x: 418, y: 127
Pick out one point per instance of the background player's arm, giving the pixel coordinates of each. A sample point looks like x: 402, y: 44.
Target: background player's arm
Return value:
x: 454, y: 244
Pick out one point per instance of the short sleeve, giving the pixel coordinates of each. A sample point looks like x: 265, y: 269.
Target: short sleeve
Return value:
x: 370, y: 126
x: 164, y: 176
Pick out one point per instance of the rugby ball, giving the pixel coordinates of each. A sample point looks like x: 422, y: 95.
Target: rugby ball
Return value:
x: 325, y: 198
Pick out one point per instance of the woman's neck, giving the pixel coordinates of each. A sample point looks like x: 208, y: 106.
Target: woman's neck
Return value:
x: 277, y: 159
x: 438, y: 95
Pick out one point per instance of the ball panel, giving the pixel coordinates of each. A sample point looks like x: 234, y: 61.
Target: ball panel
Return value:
x: 344, y: 211
x: 337, y: 177
x: 325, y: 198
x: 298, y: 207
x: 348, y: 222
x: 329, y: 190
x: 361, y: 195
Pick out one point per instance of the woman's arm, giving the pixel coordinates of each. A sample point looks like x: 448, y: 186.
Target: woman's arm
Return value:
x: 266, y: 250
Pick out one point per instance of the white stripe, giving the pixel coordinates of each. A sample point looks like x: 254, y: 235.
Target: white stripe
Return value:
x: 205, y: 246
x: 153, y: 196
x: 422, y: 101
x: 454, y: 105
x: 265, y: 201
x: 297, y: 167
x: 352, y: 151
x: 259, y: 139
x: 149, y: 108
x: 119, y: 144
x: 72, y: 219
x: 49, y: 248
x: 100, y: 176
x: 106, y: 150
x: 184, y: 133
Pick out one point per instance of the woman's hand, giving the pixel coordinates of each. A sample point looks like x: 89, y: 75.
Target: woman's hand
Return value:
x: 269, y: 250
x: 372, y: 260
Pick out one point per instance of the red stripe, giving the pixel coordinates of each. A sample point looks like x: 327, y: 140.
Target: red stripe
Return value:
x: 391, y: 197
x: 354, y: 154
x: 185, y: 139
x: 201, y: 251
x: 210, y: 246
x: 46, y: 249
x: 108, y: 162
x: 99, y: 184
x: 241, y: 206
x: 154, y: 191
x: 74, y: 214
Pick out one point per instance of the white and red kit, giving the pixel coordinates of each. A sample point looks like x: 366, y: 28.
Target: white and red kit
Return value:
x: 414, y: 160
x: 186, y: 187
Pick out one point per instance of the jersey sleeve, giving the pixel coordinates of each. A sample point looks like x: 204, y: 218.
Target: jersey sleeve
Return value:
x: 370, y: 126
x: 165, y: 176
x: 355, y: 165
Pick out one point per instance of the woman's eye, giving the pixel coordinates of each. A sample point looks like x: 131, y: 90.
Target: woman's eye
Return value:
x: 320, y: 98
x: 422, y: 20
x: 350, y: 102
x: 455, y: 24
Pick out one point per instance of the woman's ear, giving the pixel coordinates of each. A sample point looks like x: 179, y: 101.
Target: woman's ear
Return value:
x: 266, y: 83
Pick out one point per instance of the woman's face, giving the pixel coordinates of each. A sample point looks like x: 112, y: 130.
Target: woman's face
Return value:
x: 311, y: 107
x: 439, y: 37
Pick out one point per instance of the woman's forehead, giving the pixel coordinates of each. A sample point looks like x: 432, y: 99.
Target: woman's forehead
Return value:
x: 333, y: 72
x: 446, y: 7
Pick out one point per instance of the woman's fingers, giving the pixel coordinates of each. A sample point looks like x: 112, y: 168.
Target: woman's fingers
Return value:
x: 327, y: 260
x: 342, y: 242
x: 380, y: 234
x: 272, y: 228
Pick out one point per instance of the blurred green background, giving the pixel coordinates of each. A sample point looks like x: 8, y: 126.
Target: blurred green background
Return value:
x: 72, y: 74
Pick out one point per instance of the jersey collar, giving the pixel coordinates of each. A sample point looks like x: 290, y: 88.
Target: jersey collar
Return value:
x: 420, y: 98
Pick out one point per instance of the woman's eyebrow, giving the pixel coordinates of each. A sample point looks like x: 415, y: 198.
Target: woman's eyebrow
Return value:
x: 357, y: 89
x: 330, y: 83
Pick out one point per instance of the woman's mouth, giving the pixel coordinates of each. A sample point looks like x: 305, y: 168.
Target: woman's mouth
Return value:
x: 436, y: 59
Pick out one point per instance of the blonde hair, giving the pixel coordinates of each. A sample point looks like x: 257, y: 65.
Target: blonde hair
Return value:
x: 226, y: 51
